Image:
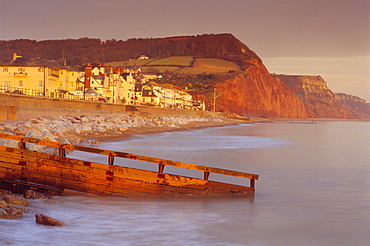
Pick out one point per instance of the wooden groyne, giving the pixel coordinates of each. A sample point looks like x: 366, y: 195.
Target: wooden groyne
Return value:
x: 20, y: 167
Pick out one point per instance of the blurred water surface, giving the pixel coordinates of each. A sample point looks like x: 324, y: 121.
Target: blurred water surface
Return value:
x: 314, y: 189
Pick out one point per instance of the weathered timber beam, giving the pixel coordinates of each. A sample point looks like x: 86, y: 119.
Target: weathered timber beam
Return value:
x: 111, y: 153
x: 73, y: 174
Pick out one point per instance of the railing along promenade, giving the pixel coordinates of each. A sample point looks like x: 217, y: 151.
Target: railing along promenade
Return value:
x: 36, y: 93
x: 20, y: 164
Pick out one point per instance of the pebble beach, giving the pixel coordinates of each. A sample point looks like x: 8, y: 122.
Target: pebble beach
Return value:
x: 87, y: 130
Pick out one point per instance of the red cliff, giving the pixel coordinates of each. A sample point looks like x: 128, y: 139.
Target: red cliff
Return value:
x: 318, y: 99
x: 358, y: 106
x: 258, y: 94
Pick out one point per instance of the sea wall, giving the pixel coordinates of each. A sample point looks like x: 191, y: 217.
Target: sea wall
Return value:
x: 20, y: 107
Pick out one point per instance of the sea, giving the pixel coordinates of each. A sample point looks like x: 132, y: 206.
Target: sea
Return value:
x: 313, y: 189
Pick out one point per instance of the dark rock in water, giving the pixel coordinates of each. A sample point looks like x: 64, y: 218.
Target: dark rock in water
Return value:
x: 15, y: 200
x: 50, y: 201
x: 47, y: 221
x: 31, y: 194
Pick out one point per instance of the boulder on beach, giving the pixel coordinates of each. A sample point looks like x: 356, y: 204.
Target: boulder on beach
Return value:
x: 11, y: 213
x: 31, y: 194
x: 3, y: 204
x: 80, y: 129
x: 15, y: 200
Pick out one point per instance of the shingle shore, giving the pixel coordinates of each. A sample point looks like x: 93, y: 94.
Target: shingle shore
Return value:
x: 84, y: 129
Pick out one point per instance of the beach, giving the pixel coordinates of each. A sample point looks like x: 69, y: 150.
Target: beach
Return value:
x: 86, y: 130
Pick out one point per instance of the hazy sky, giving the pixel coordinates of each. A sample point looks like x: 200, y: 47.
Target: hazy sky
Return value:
x: 284, y: 33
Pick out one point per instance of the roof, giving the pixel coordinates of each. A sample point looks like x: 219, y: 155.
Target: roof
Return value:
x: 148, y: 93
x: 36, y: 62
x: 92, y: 92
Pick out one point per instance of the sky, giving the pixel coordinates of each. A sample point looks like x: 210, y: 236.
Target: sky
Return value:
x: 330, y: 38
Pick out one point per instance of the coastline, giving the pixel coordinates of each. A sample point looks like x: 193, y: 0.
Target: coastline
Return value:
x: 139, y: 131
x: 85, y: 130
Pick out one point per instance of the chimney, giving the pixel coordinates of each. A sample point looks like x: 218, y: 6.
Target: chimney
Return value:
x: 102, y: 68
x: 87, y: 82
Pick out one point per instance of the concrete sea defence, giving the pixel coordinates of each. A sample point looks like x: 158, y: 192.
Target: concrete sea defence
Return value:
x: 87, y: 122
x: 20, y: 107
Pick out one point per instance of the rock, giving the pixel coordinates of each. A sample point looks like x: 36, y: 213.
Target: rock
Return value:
x: 50, y: 201
x: 19, y: 131
x: 84, y: 119
x: 34, y: 133
x: 48, y: 135
x: 10, y: 143
x: 47, y: 221
x: 11, y: 213
x: 3, y: 204
x: 15, y: 200
x: 5, y: 192
x: 86, y: 128
x: 9, y: 127
x: 35, y: 147
x: 31, y: 194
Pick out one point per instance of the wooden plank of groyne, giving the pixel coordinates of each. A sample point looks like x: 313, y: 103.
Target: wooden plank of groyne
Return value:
x: 159, y: 161
x: 104, y: 179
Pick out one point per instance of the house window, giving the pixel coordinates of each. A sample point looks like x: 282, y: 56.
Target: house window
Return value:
x: 73, y: 74
x: 41, y: 69
x: 41, y: 83
x: 61, y: 72
x: 20, y: 83
x: 5, y: 69
x: 21, y: 69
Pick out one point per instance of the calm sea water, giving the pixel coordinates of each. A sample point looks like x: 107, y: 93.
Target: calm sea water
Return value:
x: 314, y: 189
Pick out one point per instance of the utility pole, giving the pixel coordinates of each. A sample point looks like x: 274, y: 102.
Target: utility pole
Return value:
x: 214, y: 99
x: 44, y: 87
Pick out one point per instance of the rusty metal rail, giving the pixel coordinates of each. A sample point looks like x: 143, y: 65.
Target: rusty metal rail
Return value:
x: 206, y: 184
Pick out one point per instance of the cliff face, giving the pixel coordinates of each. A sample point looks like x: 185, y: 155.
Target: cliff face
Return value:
x: 259, y: 94
x: 319, y: 100
x: 254, y: 92
x: 358, y: 106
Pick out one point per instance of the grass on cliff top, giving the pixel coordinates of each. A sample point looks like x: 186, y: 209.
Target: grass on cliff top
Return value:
x: 161, y: 69
x: 134, y: 62
x: 173, y: 61
x: 210, y: 65
x: 182, y: 65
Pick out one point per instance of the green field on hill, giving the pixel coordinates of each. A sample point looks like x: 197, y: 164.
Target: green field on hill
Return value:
x: 134, y: 62
x: 160, y: 69
x: 173, y: 60
x: 210, y: 65
x: 181, y: 65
